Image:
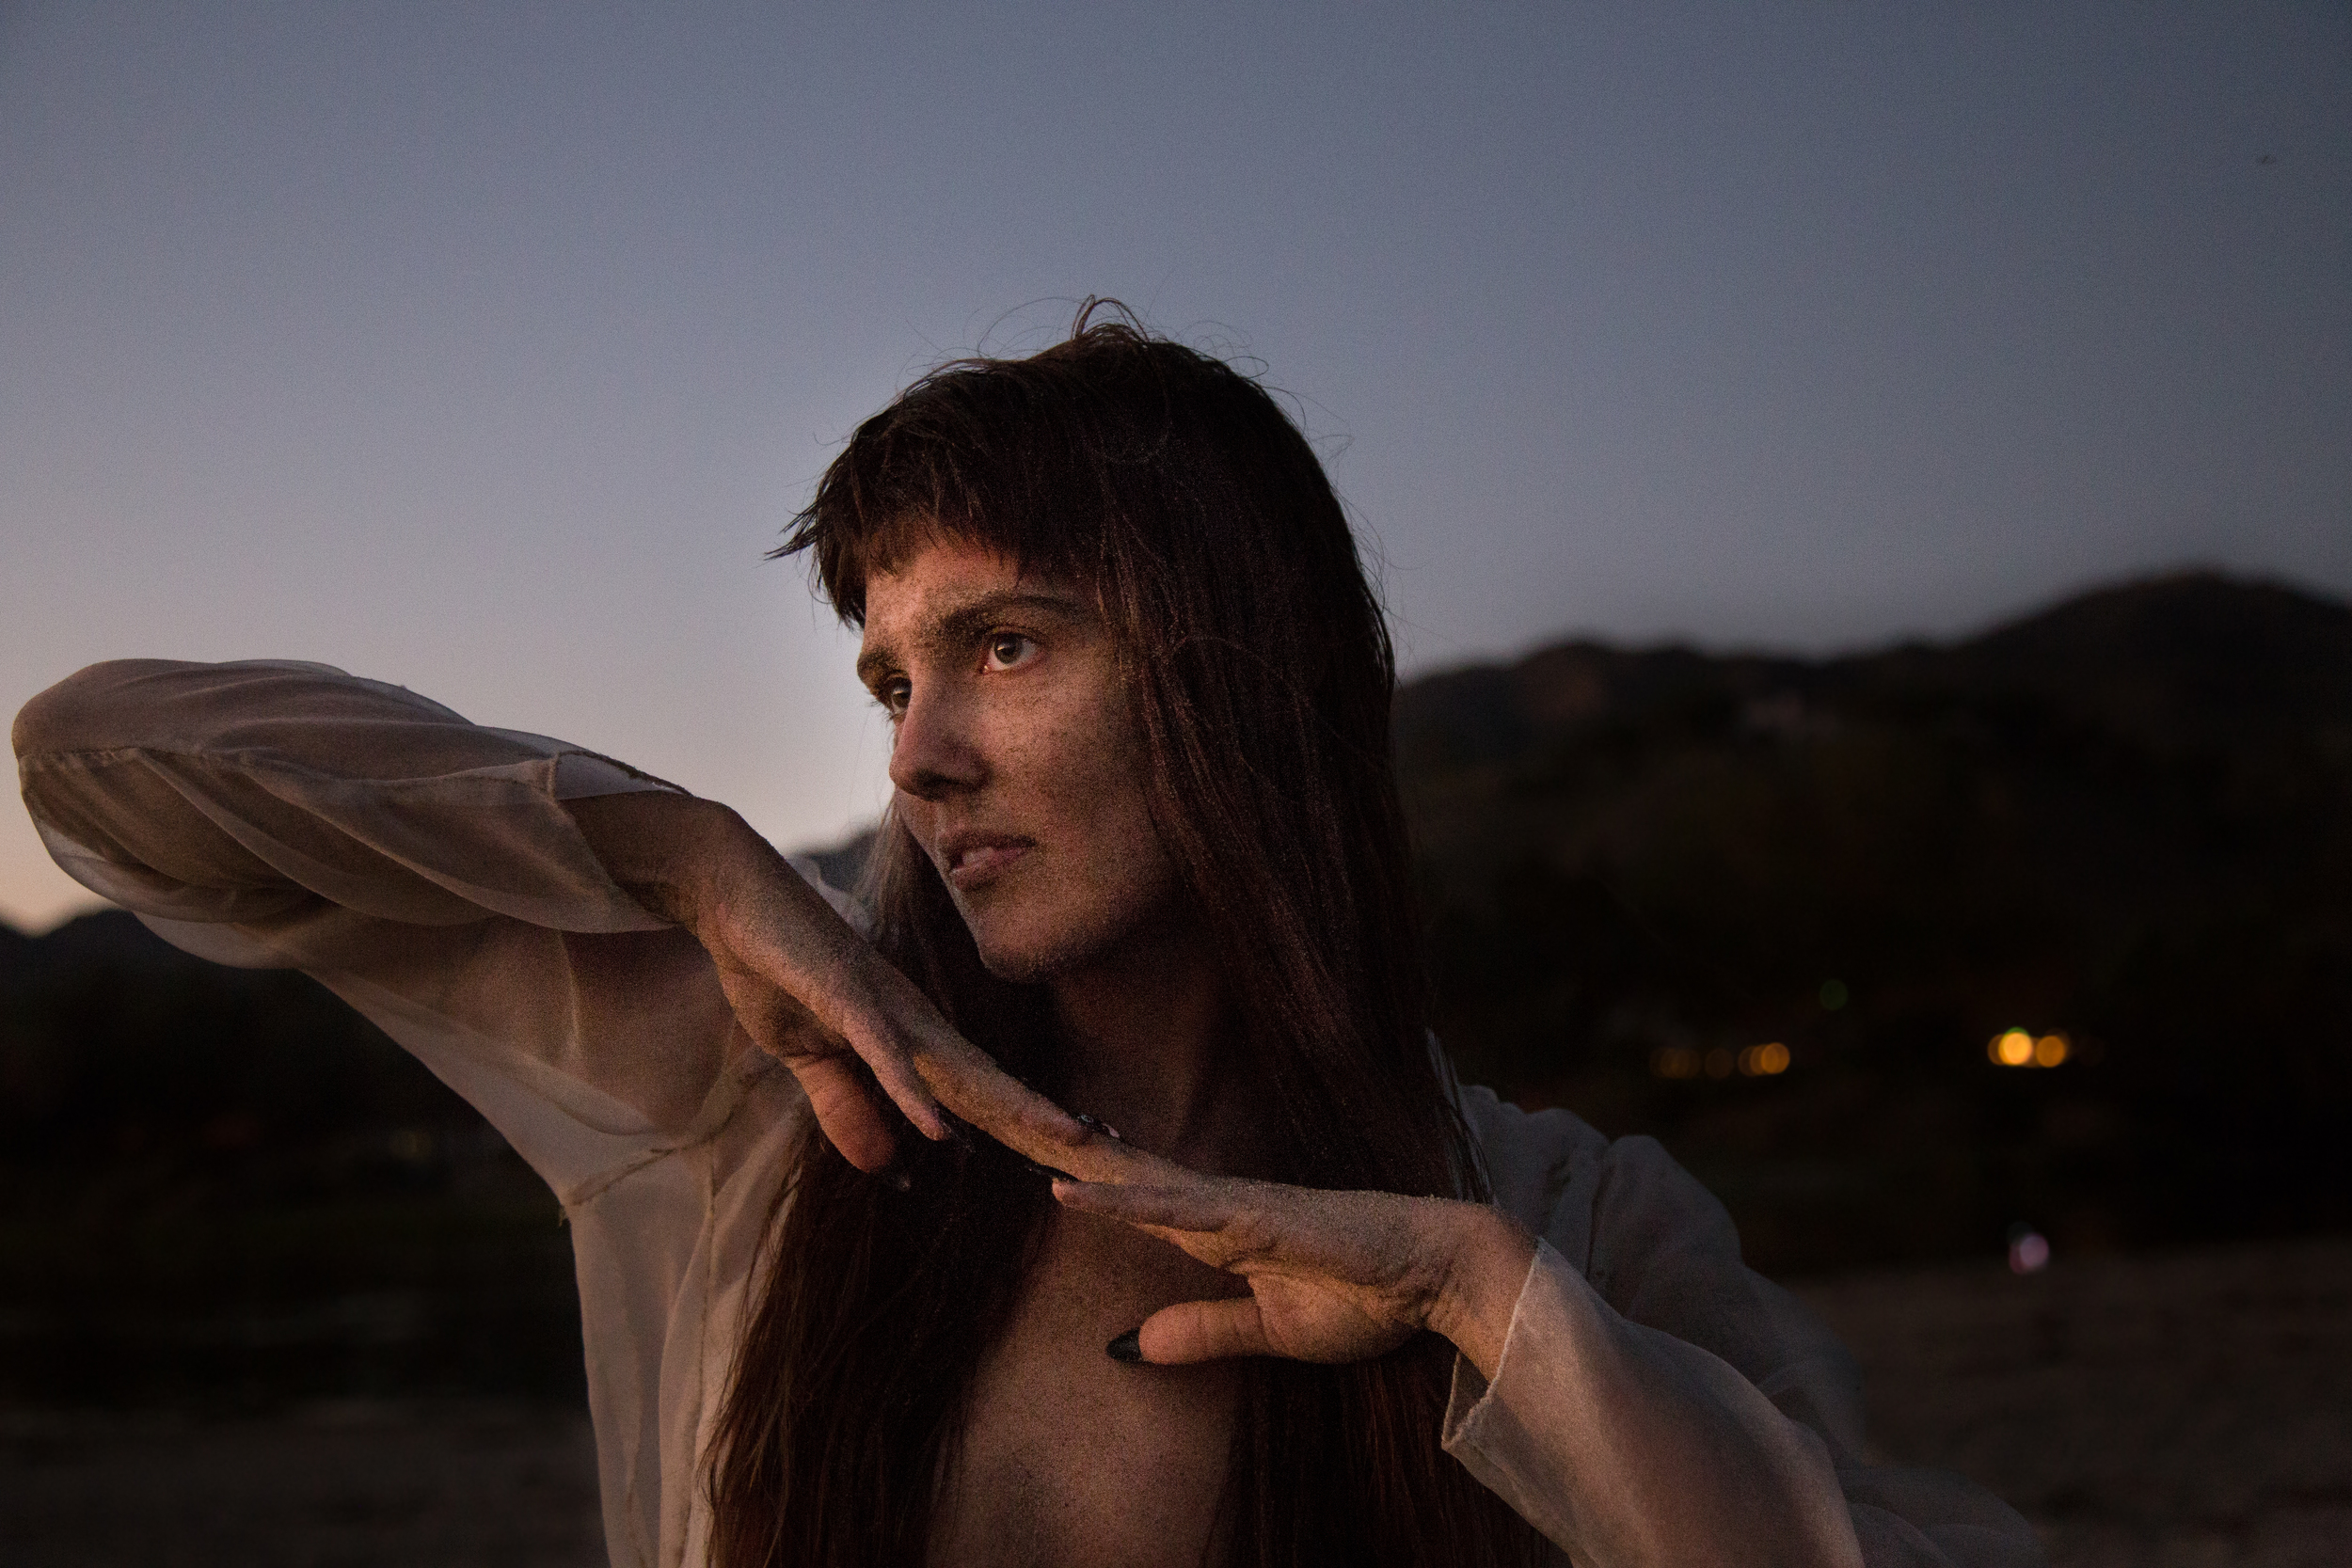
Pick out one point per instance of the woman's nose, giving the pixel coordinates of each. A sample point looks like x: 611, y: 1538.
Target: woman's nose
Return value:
x: 933, y: 752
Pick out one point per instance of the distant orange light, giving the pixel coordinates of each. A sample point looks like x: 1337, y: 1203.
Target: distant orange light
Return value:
x: 2012, y: 1048
x: 1763, y: 1061
x: 1674, y: 1061
x: 2049, y: 1050
x: 1718, y: 1063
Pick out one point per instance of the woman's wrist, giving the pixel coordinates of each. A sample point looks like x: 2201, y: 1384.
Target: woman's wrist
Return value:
x: 664, y: 850
x: 1488, y: 1254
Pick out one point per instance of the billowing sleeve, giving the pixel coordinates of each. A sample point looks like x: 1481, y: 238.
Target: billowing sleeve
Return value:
x: 286, y: 815
x: 1653, y: 1391
x: 425, y: 868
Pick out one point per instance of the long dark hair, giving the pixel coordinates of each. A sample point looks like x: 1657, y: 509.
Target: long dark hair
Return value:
x: 1175, y: 489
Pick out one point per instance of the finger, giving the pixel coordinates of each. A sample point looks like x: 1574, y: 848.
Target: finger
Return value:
x: 1203, y: 1207
x: 968, y: 1081
x: 923, y: 1063
x: 848, y: 992
x: 920, y: 1062
x: 845, y: 1109
x: 843, y: 1101
x: 905, y: 1086
x: 1203, y: 1331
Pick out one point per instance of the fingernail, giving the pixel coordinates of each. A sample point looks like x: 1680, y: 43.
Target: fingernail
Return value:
x: 1127, y: 1347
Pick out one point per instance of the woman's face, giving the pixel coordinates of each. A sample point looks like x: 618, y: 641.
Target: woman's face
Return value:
x: 1015, y: 757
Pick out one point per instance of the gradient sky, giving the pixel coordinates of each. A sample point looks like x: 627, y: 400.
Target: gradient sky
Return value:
x: 484, y: 347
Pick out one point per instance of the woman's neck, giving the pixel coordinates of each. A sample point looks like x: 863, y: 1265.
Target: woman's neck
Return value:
x: 1148, y: 1042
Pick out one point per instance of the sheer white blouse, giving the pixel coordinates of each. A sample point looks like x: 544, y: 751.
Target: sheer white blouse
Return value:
x: 285, y: 815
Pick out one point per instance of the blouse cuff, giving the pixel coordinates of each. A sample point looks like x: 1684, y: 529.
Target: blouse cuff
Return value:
x: 1482, y: 1426
x: 1569, y: 1434
x: 1468, y: 1406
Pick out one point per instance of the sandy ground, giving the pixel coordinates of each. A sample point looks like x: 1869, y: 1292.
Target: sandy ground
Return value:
x: 2171, y: 1412
x: 351, y: 1486
x: 2174, y: 1412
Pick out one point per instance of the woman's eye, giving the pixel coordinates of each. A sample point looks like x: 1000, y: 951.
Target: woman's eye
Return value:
x: 1008, y: 648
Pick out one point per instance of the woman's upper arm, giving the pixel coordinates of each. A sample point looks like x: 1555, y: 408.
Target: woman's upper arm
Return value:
x: 212, y: 791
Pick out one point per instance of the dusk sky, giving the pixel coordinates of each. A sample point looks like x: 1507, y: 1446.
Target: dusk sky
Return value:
x: 484, y: 348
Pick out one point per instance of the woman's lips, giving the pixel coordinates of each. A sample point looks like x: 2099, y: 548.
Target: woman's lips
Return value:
x: 976, y: 865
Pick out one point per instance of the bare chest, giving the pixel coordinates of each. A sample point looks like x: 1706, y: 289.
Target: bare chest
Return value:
x: 1071, y: 1457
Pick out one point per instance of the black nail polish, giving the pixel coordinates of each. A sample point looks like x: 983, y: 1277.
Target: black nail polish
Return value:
x: 1127, y: 1347
x: 1047, y: 1171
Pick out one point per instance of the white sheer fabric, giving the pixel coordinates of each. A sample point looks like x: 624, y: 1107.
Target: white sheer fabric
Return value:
x: 284, y: 814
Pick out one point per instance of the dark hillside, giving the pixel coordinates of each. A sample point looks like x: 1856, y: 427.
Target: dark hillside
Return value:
x: 2192, y: 659
x: 115, y: 1046
x: 223, y: 1186
x: 2123, y: 822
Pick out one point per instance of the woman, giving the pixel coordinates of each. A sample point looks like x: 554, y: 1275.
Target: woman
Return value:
x: 856, y: 1289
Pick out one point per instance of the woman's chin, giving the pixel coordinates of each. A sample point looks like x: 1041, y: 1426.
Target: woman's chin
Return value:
x: 1030, y: 940
x: 1024, y: 958
x: 1032, y: 952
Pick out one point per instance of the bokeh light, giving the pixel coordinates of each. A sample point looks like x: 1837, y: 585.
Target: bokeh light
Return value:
x: 1674, y: 1061
x: 2024, y: 1048
x: 1679, y: 1062
x: 2028, y: 1250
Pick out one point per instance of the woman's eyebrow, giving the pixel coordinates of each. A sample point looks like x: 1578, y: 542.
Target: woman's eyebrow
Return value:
x: 967, y: 622
x: 982, y: 615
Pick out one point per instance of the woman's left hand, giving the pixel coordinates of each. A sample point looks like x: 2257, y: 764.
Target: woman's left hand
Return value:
x: 1332, y: 1276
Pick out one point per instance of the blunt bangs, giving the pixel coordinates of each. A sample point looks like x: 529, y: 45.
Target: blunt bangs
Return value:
x: 988, y: 453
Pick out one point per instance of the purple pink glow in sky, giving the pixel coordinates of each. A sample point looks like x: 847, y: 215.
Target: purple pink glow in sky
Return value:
x: 484, y: 348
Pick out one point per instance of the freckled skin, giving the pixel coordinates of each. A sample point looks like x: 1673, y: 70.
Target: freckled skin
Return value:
x: 1069, y: 1456
x: 1043, y: 747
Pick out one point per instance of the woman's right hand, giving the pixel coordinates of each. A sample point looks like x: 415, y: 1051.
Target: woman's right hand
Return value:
x: 807, y: 989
